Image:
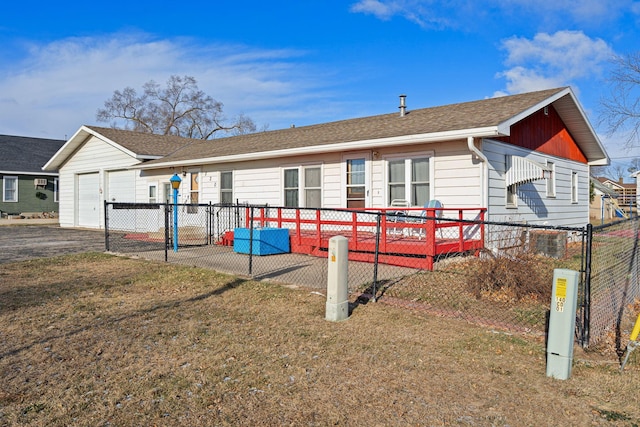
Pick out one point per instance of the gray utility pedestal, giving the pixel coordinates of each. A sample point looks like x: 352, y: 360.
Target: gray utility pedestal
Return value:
x: 562, y: 323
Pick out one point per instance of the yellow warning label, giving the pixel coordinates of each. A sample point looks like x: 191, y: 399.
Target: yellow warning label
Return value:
x: 561, y: 287
x: 333, y: 258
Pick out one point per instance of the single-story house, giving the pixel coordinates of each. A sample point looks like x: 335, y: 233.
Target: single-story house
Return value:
x: 524, y: 157
x: 26, y: 189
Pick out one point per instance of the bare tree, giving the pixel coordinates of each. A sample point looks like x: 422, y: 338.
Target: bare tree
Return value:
x: 180, y: 108
x: 620, y: 111
x: 614, y: 172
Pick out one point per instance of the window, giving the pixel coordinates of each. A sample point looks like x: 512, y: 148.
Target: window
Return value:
x: 10, y: 189
x: 153, y: 193
x: 226, y: 187
x: 574, y: 187
x: 56, y: 190
x: 291, y: 188
x: 355, y: 183
x: 408, y: 179
x: 396, y: 180
x: 512, y: 196
x: 419, y: 181
x: 511, y: 190
x: 312, y: 187
x: 551, y: 179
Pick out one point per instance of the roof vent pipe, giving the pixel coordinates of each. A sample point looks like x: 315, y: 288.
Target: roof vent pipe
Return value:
x: 403, y: 106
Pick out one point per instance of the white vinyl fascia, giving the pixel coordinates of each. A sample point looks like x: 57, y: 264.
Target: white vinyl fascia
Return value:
x: 368, y: 144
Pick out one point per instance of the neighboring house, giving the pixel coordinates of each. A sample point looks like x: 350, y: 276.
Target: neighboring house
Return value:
x: 626, y: 192
x: 604, y: 204
x: 26, y: 189
x: 524, y: 157
x: 635, y: 176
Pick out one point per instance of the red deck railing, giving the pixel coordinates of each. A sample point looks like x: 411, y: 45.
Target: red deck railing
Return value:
x: 412, y: 238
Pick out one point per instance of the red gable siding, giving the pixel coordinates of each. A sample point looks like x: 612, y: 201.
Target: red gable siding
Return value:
x: 545, y: 133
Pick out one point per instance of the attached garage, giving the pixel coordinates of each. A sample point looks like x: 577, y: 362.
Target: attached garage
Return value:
x: 94, y: 168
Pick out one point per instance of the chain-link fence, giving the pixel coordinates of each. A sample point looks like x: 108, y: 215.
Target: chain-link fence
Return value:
x: 444, y: 261
x: 614, y: 288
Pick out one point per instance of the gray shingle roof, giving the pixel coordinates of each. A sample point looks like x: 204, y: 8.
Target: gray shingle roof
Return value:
x: 468, y: 115
x: 144, y: 144
x: 25, y: 154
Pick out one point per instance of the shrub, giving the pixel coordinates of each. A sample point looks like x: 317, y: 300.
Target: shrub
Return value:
x: 522, y: 276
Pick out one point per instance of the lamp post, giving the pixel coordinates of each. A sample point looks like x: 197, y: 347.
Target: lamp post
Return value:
x: 175, y: 184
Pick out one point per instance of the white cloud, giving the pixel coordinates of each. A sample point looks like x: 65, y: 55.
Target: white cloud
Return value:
x: 552, y: 60
x: 463, y: 13
x: 57, y: 87
x: 377, y: 8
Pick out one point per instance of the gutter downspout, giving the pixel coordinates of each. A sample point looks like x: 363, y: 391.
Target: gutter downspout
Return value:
x: 484, y: 200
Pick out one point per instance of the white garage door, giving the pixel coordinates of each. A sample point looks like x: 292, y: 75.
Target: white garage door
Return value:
x: 89, y: 200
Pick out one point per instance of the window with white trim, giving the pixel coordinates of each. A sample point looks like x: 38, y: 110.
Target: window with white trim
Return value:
x: 574, y: 187
x: 291, y: 188
x: 153, y: 193
x: 408, y: 179
x: 511, y: 199
x: 550, y: 175
x: 56, y: 189
x: 10, y: 189
x: 310, y: 187
x: 226, y: 187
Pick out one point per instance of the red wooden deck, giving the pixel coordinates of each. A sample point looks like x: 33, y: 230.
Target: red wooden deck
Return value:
x: 413, y: 241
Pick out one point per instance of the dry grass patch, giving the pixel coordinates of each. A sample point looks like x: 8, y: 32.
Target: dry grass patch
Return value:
x: 101, y: 340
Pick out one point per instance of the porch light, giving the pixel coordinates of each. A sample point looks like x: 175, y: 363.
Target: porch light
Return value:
x: 175, y: 181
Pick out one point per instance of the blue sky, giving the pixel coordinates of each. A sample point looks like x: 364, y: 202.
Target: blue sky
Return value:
x: 307, y: 61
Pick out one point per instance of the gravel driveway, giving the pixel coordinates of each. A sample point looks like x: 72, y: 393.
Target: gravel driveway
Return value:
x: 23, y: 242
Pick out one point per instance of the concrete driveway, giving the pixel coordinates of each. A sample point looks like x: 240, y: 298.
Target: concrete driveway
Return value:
x: 23, y: 242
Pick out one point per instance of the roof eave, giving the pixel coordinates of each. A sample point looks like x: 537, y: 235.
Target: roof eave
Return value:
x: 76, y: 141
x: 368, y: 144
x: 585, y: 135
x: 8, y: 172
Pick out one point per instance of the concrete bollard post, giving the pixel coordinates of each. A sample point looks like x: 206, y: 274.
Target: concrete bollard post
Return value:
x: 337, y: 286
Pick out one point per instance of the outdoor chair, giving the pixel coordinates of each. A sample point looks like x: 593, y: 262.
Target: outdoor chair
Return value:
x: 432, y: 204
x: 399, y: 215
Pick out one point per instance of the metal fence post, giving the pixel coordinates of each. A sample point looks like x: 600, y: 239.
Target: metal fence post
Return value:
x: 374, y: 286
x: 106, y: 226
x: 251, y: 241
x: 167, y: 214
x: 586, y: 314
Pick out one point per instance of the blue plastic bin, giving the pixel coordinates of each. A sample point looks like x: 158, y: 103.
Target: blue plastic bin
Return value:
x: 266, y: 241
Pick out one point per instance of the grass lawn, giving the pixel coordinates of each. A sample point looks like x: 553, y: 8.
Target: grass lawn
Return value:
x: 99, y: 340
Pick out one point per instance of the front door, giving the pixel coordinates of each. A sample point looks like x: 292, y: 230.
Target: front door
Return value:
x: 356, y: 179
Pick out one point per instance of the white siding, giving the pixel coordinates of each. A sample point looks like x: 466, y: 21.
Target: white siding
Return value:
x: 533, y: 205
x: 457, y: 181
x: 455, y: 177
x: 94, y: 156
